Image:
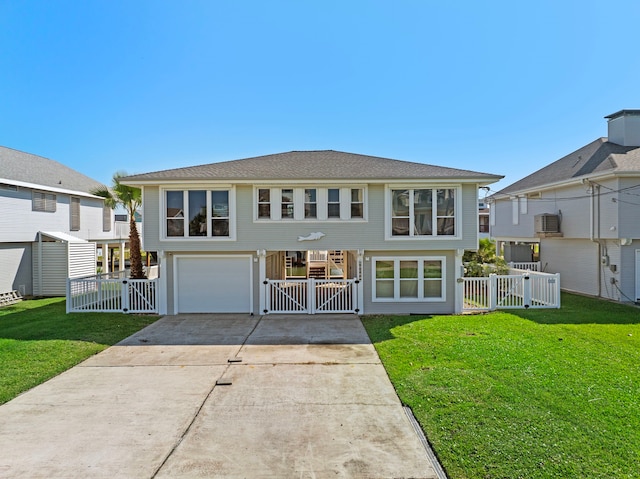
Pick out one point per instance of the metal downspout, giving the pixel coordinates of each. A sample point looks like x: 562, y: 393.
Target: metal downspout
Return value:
x: 595, y: 227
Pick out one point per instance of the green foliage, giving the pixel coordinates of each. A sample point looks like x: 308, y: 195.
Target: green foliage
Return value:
x: 484, y: 261
x: 130, y: 199
x: 38, y: 340
x: 522, y: 394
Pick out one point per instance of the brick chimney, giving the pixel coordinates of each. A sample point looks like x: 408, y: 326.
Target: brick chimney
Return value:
x: 624, y: 127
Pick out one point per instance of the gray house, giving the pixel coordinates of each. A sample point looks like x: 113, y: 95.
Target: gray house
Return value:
x: 50, y: 224
x: 288, y: 232
x: 580, y: 215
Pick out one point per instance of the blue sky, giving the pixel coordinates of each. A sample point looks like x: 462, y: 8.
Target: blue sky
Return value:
x: 501, y: 87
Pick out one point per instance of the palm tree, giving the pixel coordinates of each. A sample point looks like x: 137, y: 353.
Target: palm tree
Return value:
x: 131, y: 199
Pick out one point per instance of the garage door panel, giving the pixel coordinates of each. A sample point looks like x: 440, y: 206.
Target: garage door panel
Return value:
x: 213, y: 285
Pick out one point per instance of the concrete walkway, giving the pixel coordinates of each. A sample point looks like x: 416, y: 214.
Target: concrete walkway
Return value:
x: 207, y: 396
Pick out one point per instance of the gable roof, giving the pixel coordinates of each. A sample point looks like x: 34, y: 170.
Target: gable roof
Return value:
x: 17, y: 167
x: 310, y: 165
x: 598, y: 158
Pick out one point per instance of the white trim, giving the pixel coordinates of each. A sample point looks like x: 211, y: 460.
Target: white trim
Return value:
x: 35, y: 186
x: 396, y: 280
x: 177, y: 257
x: 322, y: 197
x: 388, y: 236
x: 232, y: 215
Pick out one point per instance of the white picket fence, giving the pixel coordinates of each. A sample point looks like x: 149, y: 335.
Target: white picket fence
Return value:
x: 520, y: 289
x: 311, y: 296
x: 112, y: 295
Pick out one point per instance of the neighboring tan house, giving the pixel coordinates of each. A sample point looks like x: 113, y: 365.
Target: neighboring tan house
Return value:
x: 222, y: 231
x: 49, y: 224
x: 580, y: 216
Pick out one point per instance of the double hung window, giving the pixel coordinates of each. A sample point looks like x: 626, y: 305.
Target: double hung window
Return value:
x: 198, y: 213
x: 310, y: 203
x: 409, y: 279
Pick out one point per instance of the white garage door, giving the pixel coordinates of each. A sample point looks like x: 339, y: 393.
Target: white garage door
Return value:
x: 206, y: 284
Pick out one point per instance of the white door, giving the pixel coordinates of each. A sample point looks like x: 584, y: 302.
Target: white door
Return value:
x: 213, y: 284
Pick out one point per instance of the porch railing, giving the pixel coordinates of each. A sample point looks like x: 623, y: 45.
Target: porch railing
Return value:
x: 311, y: 296
x: 113, y: 295
x: 525, y: 265
x: 524, y: 290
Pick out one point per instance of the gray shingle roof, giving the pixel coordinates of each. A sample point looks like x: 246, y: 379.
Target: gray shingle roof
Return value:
x: 598, y: 157
x: 311, y: 165
x: 19, y: 166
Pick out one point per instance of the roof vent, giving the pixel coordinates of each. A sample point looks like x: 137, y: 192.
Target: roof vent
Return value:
x: 547, y: 223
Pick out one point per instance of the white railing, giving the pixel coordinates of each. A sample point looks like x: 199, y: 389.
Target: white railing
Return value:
x: 525, y: 265
x: 311, y: 296
x: 522, y: 290
x: 112, y: 295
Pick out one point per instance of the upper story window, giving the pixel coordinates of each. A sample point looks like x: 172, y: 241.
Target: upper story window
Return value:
x: 287, y: 203
x: 264, y: 203
x: 357, y: 203
x: 423, y: 212
x: 43, y: 202
x: 310, y: 203
x: 75, y: 214
x: 315, y: 204
x: 198, y: 214
x: 333, y: 203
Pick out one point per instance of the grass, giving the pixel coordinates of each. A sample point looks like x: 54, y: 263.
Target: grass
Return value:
x: 38, y: 340
x: 522, y: 393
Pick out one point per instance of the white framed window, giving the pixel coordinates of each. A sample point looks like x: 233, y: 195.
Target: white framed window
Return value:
x: 310, y: 203
x: 41, y: 201
x: 75, y: 214
x: 264, y: 203
x: 199, y: 214
x: 408, y: 279
x: 357, y: 203
x: 333, y: 203
x: 422, y: 212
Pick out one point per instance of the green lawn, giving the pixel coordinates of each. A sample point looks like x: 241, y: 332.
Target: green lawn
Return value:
x: 522, y: 393
x: 38, y: 340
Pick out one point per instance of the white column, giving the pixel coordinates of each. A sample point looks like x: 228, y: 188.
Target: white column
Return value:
x: 360, y: 279
x: 459, y: 288
x: 105, y: 258
x: 121, y: 265
x: 162, y: 283
x: 262, y: 276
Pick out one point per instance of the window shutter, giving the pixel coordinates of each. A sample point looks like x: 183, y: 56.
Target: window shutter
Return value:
x: 75, y: 214
x: 106, y: 218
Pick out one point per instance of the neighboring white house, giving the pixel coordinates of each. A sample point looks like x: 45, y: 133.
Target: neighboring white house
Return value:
x: 50, y: 224
x: 580, y: 215
x: 226, y: 233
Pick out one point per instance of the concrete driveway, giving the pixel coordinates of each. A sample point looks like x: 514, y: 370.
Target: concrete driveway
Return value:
x: 206, y: 396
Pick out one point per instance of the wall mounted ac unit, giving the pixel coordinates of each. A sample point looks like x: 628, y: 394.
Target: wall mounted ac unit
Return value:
x: 547, y: 223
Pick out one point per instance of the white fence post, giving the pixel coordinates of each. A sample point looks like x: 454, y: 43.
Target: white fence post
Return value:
x: 493, y: 292
x: 526, y: 291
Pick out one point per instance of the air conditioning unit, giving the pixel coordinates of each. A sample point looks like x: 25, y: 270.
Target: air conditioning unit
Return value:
x: 547, y: 223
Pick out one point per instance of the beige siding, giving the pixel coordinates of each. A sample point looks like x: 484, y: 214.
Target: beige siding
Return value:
x: 283, y: 235
x: 418, y: 307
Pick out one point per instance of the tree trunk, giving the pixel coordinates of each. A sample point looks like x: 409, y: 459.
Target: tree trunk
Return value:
x: 135, y: 256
